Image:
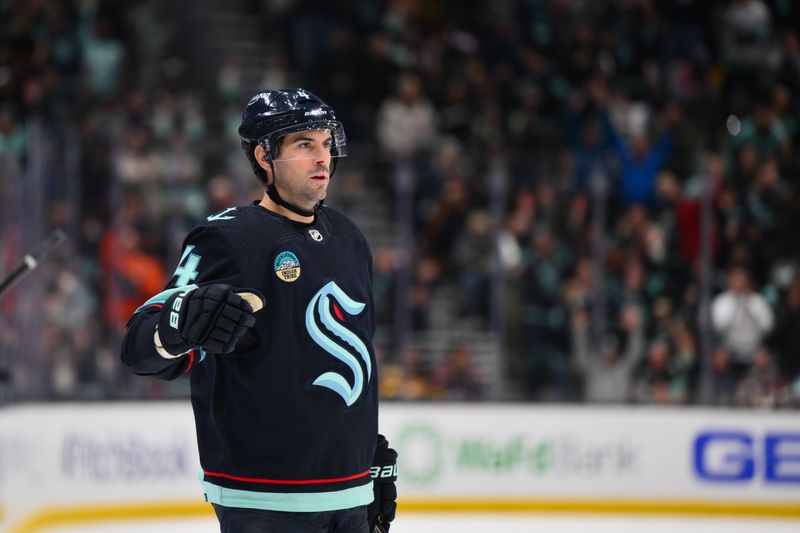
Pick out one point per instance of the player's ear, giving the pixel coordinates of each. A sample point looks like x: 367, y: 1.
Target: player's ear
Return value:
x: 261, y: 157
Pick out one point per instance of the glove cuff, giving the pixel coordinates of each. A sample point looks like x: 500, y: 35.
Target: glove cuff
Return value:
x: 384, y: 465
x: 162, y: 351
x: 384, y: 474
x: 168, y: 328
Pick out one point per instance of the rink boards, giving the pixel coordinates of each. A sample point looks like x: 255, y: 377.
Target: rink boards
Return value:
x: 77, y: 463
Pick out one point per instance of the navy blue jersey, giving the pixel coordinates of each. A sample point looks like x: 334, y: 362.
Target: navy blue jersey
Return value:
x: 288, y: 421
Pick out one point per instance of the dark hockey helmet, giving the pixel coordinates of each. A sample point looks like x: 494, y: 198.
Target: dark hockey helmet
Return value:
x: 272, y: 114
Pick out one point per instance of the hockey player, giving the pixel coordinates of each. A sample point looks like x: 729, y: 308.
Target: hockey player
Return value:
x: 270, y: 313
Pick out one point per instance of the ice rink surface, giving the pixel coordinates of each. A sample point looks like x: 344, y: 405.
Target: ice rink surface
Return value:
x: 446, y: 523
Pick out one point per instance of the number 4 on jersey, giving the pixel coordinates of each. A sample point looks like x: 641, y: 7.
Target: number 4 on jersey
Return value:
x: 187, y: 268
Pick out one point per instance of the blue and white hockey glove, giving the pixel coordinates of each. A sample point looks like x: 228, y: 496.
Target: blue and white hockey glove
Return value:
x: 211, y: 317
x: 384, y: 475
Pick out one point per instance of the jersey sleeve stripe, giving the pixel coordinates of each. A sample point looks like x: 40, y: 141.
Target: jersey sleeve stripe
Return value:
x: 288, y: 481
x: 162, y: 296
x: 191, y: 362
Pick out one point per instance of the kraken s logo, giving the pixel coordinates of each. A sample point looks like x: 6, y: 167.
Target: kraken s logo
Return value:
x: 333, y: 380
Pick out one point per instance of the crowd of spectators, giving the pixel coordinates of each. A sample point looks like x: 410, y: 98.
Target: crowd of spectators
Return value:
x: 94, y: 79
x: 611, y: 118
x: 562, y: 149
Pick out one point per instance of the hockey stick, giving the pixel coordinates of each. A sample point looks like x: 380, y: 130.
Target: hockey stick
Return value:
x: 31, y: 261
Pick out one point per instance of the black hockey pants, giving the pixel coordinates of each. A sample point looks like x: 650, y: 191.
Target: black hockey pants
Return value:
x: 236, y: 520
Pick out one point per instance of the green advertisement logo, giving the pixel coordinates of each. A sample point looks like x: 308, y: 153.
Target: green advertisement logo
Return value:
x: 420, y: 452
x: 427, y: 454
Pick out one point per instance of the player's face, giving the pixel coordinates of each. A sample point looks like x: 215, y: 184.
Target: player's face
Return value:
x: 302, y: 168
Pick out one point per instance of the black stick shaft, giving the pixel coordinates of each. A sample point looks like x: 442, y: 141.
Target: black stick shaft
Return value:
x: 31, y: 260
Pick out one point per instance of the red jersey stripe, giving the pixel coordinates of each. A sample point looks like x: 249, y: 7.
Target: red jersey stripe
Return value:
x: 191, y: 361
x: 288, y: 481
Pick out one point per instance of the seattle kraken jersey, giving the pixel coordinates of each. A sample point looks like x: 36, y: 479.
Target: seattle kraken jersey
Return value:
x: 288, y: 421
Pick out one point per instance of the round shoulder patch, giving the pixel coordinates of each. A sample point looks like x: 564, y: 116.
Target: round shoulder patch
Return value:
x: 287, y: 266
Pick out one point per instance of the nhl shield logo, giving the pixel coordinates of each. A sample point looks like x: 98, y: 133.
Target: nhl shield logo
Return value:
x: 316, y: 235
x: 287, y: 266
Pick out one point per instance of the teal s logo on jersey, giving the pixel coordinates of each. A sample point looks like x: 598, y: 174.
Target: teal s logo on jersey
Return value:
x: 333, y: 380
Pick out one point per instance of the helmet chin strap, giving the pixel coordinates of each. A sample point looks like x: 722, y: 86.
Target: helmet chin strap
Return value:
x: 272, y: 192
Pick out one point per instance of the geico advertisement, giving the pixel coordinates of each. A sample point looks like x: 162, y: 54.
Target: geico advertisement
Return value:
x: 741, y: 457
x: 632, y: 453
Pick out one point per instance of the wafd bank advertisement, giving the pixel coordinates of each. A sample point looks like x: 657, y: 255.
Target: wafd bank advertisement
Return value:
x: 75, y: 461
x: 591, y: 457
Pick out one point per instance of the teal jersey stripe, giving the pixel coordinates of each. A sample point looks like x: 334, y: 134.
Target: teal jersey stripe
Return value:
x: 302, y: 502
x: 161, y: 297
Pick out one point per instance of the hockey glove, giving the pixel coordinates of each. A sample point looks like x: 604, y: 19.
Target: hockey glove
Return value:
x: 211, y: 317
x: 384, y: 475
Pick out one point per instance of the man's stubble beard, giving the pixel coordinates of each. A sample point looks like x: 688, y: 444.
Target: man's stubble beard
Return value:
x: 299, y: 189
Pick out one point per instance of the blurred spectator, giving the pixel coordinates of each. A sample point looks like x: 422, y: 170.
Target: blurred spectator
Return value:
x: 229, y: 79
x: 654, y: 383
x: 543, y: 317
x: 276, y: 74
x: 179, y: 164
x: 784, y: 120
x: 607, y: 372
x: 132, y: 275
x: 686, y: 141
x: 375, y: 68
x: 746, y: 34
x: 475, y: 253
x: 406, y: 121
x: 763, y: 132
x: 392, y: 381
x: 579, y: 288
x: 455, y: 113
x: 769, y: 205
x: 685, y: 205
x: 742, y: 318
x: 723, y: 382
x: 457, y: 378
x: 426, y: 273
x: 664, y: 380
x: 588, y: 141
x: 787, y: 60
x: 641, y: 162
x: 384, y: 269
x: 221, y: 193
x: 637, y: 232
x: 786, y: 338
x: 575, y: 226
x: 762, y: 386
x: 446, y: 221
x: 103, y: 55
x: 138, y: 162
x: 417, y: 383
x: 12, y: 135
